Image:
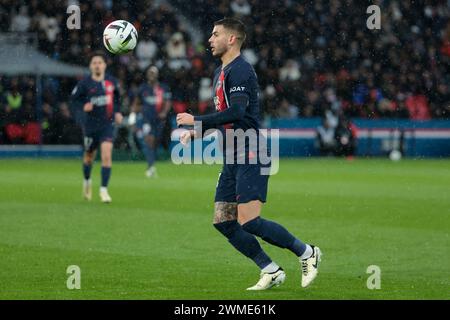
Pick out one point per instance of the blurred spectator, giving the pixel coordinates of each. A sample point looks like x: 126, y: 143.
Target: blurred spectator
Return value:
x: 51, y: 28
x: 20, y: 120
x: 146, y: 51
x: 21, y: 21
x: 47, y: 124
x: 176, y: 47
x: 13, y: 101
x: 345, y: 136
x: 241, y: 7
x: 176, y: 52
x: 286, y: 110
x: 417, y: 105
x: 326, y: 141
x: 290, y: 71
x: 336, y: 140
x: 385, y: 108
x: 440, y: 101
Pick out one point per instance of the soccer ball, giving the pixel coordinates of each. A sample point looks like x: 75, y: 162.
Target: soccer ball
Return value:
x: 120, y: 37
x: 395, y: 155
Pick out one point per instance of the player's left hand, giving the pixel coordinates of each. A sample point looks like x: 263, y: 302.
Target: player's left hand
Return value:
x: 185, y: 119
x: 118, y: 117
x: 186, y: 136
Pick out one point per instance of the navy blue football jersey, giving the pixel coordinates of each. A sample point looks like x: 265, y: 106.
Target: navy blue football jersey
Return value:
x: 153, y: 99
x: 105, y: 97
x: 238, y: 78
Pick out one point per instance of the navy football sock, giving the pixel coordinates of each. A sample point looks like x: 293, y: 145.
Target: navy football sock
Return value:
x: 244, y: 242
x: 150, y: 155
x: 274, y: 234
x: 87, y: 168
x: 106, y: 173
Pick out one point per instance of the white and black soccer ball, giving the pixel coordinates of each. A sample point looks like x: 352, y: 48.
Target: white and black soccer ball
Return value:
x: 395, y: 155
x: 120, y: 37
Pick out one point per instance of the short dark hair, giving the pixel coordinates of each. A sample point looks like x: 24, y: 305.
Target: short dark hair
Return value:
x: 150, y: 67
x: 235, y: 25
x: 99, y: 53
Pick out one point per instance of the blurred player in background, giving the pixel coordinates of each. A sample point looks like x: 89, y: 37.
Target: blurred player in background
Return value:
x: 242, y: 188
x: 154, y: 101
x: 98, y: 94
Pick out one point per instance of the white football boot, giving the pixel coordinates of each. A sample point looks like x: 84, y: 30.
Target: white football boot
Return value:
x: 310, y: 266
x: 151, y: 173
x: 87, y: 189
x: 268, y: 280
x: 104, y: 195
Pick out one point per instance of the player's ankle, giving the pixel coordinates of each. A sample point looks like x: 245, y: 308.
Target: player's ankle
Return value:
x: 307, y: 253
x: 271, y: 268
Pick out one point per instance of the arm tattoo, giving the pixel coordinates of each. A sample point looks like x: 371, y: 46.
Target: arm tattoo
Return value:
x: 225, y: 211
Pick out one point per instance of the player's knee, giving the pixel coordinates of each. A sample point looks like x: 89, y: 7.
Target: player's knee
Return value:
x: 225, y: 211
x: 88, y: 158
x: 252, y: 226
x: 227, y: 228
x: 106, y: 157
x: 150, y: 141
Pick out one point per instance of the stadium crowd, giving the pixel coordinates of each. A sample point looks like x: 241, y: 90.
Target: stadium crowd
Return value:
x: 311, y: 58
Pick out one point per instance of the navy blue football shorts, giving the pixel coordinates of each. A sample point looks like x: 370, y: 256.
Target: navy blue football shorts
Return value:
x: 152, y: 128
x: 93, y: 139
x: 242, y: 183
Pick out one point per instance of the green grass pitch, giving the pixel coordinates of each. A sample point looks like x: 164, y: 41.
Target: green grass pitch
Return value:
x: 156, y: 240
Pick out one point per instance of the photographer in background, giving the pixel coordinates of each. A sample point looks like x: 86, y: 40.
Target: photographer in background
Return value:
x: 345, y: 135
x: 325, y: 139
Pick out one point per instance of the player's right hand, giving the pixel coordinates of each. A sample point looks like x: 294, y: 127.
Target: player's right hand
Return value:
x: 88, y: 107
x: 186, y: 136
